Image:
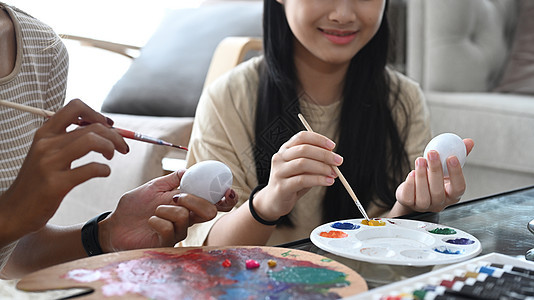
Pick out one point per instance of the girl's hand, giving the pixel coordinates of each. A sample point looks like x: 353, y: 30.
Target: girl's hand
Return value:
x: 425, y: 188
x: 303, y: 162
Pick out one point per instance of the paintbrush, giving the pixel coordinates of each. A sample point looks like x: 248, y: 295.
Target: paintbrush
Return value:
x: 341, y: 177
x: 123, y: 132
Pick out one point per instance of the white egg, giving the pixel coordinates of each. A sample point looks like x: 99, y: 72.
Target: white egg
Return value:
x: 447, y: 144
x: 208, y: 179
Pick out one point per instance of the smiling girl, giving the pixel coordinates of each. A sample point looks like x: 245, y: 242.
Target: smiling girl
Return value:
x: 327, y: 60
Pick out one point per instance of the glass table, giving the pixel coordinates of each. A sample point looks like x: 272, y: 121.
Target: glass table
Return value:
x: 499, y: 222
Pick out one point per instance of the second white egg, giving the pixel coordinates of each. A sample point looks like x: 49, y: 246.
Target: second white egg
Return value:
x: 208, y: 179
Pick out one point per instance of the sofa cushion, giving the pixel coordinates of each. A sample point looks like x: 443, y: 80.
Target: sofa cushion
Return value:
x: 167, y: 77
x: 498, y: 123
x: 458, y: 45
x: 518, y: 75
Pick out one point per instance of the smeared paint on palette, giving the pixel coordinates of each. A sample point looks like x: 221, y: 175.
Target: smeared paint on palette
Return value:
x: 396, y: 242
x: 203, y: 273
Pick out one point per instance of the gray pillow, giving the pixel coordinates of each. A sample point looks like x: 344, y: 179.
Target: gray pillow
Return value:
x: 167, y: 77
x: 518, y: 77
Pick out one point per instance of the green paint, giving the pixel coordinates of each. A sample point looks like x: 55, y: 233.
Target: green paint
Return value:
x: 288, y: 253
x: 309, y: 275
x: 326, y: 260
x: 443, y: 231
x: 419, y: 294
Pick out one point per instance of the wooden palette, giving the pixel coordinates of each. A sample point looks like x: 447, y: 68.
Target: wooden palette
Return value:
x: 201, y: 273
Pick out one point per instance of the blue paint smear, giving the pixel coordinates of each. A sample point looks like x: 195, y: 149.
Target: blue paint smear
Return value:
x: 346, y: 226
x: 446, y: 250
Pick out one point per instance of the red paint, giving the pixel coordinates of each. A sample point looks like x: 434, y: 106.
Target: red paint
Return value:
x: 252, y: 264
x: 447, y: 283
x: 126, y: 133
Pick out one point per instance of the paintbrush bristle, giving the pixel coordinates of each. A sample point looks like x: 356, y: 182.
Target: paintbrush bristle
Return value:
x: 180, y: 147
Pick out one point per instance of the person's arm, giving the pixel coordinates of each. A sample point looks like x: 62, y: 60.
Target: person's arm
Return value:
x: 46, y: 175
x: 223, y: 131
x: 153, y: 215
x: 46, y: 247
x: 425, y: 188
x: 303, y: 162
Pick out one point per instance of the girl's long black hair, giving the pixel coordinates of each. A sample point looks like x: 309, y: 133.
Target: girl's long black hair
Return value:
x: 369, y: 140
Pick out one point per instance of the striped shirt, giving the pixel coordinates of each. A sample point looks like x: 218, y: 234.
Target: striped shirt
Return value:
x: 39, y: 79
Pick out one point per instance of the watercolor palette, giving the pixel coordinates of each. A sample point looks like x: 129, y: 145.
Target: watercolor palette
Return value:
x: 491, y: 276
x: 396, y: 242
x: 202, y: 273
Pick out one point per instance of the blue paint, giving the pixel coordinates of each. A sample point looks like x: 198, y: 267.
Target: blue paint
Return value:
x: 346, y: 226
x: 446, y: 250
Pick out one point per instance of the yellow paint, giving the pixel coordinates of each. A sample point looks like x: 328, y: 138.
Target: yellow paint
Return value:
x: 373, y: 222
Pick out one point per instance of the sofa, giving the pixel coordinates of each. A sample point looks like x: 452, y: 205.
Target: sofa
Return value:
x: 473, y: 60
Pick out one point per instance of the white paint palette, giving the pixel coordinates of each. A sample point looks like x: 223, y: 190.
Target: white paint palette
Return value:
x: 398, y: 242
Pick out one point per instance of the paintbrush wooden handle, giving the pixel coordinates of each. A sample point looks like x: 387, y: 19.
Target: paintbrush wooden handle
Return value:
x: 340, y: 175
x: 33, y: 110
x: 124, y: 133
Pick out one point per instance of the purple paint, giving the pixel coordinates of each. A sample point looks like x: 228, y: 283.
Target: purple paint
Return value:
x: 345, y: 226
x: 460, y: 241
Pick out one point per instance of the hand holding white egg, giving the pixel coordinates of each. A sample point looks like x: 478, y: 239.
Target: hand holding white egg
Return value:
x: 425, y: 189
x: 208, y: 179
x: 447, y: 144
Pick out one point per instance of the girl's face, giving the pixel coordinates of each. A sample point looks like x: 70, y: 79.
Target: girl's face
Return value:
x: 332, y: 31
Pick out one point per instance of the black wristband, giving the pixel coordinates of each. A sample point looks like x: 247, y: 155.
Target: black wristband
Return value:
x: 253, y: 212
x: 90, y: 241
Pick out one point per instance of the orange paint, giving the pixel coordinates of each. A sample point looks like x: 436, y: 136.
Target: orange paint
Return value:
x: 334, y: 234
x: 373, y: 222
